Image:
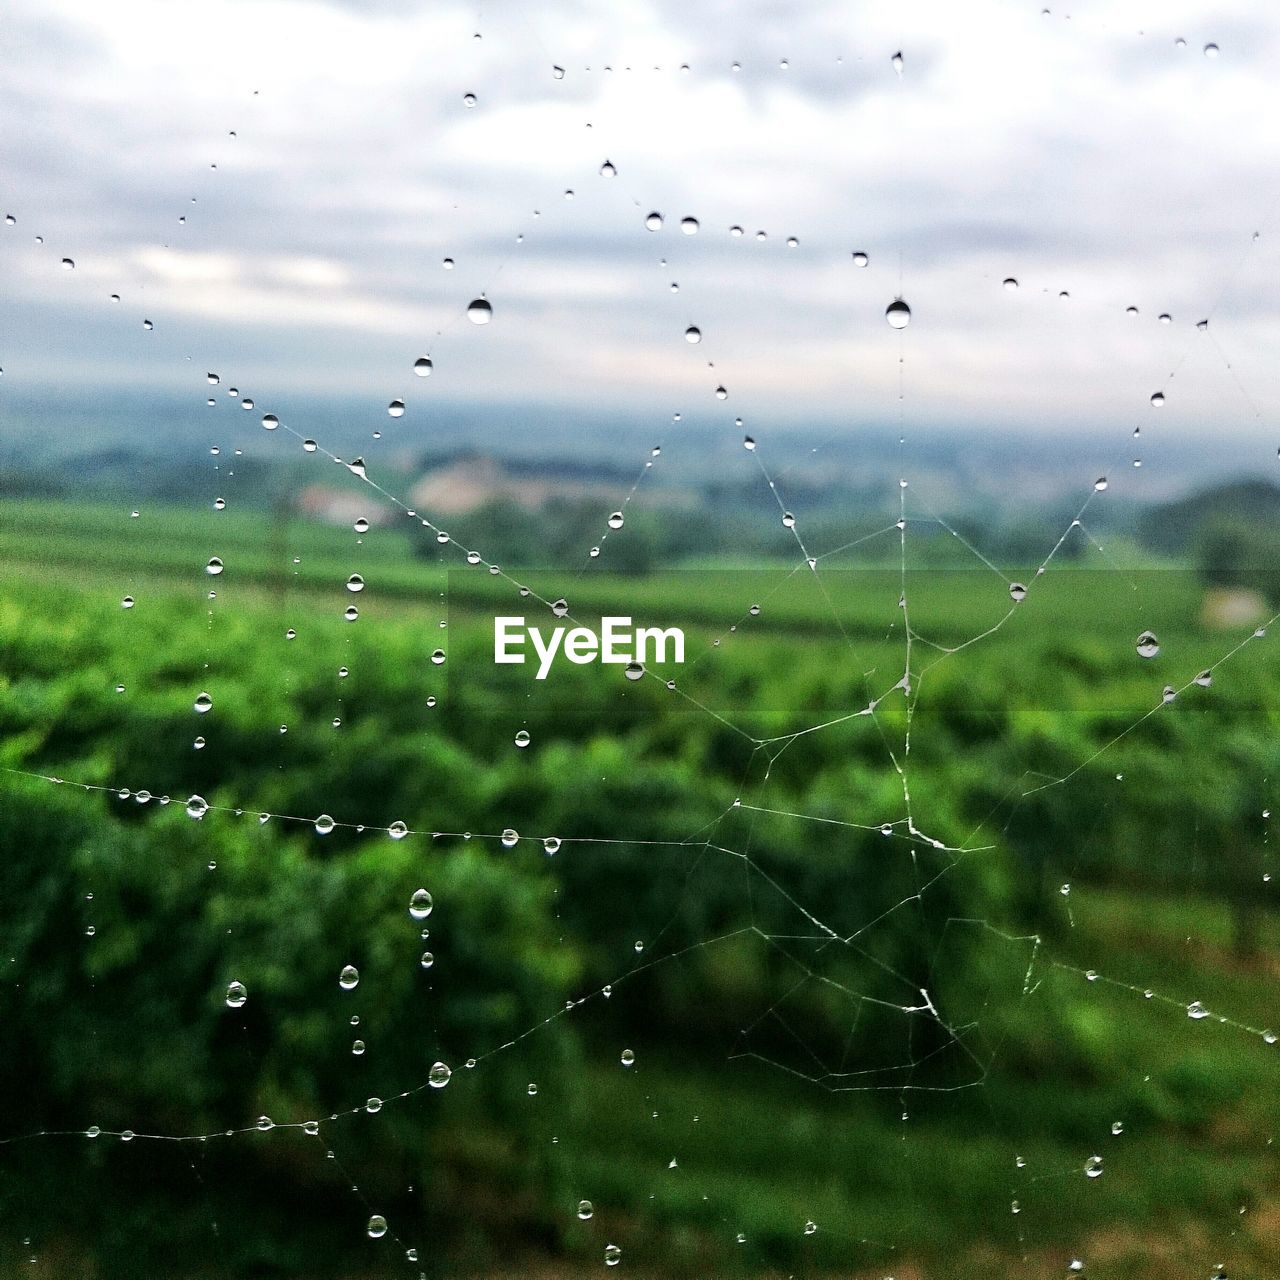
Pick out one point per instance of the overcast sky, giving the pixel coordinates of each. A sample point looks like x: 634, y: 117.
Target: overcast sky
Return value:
x: 1088, y: 153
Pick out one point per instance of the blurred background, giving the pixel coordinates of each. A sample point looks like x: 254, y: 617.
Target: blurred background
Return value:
x: 921, y: 923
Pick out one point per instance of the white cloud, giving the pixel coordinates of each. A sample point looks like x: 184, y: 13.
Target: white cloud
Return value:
x: 1073, y: 153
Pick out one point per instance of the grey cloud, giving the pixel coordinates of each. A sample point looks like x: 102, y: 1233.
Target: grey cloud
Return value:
x: 1115, y: 184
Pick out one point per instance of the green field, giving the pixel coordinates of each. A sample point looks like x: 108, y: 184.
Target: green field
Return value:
x: 1054, y: 843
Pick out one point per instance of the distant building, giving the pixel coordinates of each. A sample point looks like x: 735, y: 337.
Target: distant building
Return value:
x: 470, y: 483
x: 1228, y: 608
x: 336, y: 506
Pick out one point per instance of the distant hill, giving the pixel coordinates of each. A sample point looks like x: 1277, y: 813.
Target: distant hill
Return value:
x: 1182, y: 527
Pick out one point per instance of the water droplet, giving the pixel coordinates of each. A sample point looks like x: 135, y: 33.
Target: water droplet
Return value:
x: 355, y: 583
x: 510, y: 838
x: 68, y: 264
x: 1157, y: 399
x: 522, y: 738
x: 551, y: 845
x: 788, y: 520
x: 1117, y: 1128
x: 1204, y: 679
x: 689, y: 226
x: 693, y: 334
x: 396, y: 409
x: 557, y: 73
x: 468, y: 99
x: 607, y: 170
x: 479, y: 311
x: 349, y: 977
x: 1196, y: 1011
x: 270, y: 421
x: 1011, y: 284
x: 377, y: 1227
x: 615, y: 520
x: 1148, y: 645
x: 1093, y: 1167
x: 214, y: 567
x: 197, y: 807
x: 560, y: 608
x: 633, y: 670
x: 810, y: 1227
x: 237, y: 994
x: 202, y: 704
x: 585, y: 1210
x: 898, y: 314
x: 324, y: 824
x: 628, y: 1058
x: 420, y: 904
x: 1017, y: 592
x: 127, y: 602
x: 1100, y: 484
x: 439, y: 1075
x: 1211, y: 50
x: 860, y: 259
x: 612, y: 1255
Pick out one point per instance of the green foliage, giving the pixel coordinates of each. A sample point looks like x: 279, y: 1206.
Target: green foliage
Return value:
x: 1233, y: 551
x: 780, y: 929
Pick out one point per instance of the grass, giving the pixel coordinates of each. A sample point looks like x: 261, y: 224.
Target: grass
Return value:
x: 695, y: 1146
